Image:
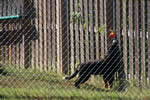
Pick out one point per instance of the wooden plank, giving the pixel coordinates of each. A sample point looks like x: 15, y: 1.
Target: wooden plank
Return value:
x: 58, y: 13
x: 13, y: 7
x: 4, y: 8
x: 106, y: 23
x: 10, y: 55
x: 6, y: 50
x: 33, y: 54
x: 33, y: 33
x: 108, y: 11
x: 49, y: 43
x: 22, y: 6
x: 4, y: 54
x: 72, y: 38
x: 64, y: 36
x: 86, y: 30
x: 36, y: 41
x: 10, y: 47
x: 67, y: 52
x: 101, y: 24
x: 9, y: 8
x: 54, y: 35
x: 148, y: 27
x: 114, y: 15
x: 136, y: 18
x: 18, y: 6
x: 108, y: 20
x: 91, y: 30
x: 118, y: 28
x: 0, y: 54
x: 6, y: 27
x: 27, y: 49
x: 96, y: 28
x: 61, y: 36
x: 115, y: 10
x: 12, y: 11
x: 76, y: 33
x: 81, y: 32
x: 143, y: 55
x: 62, y: 52
x: 40, y: 36
x: 118, y: 23
x: 130, y: 34
x: 45, y: 33
x: 124, y: 36
x: 22, y: 53
x: 27, y: 35
x: 17, y: 54
x: 1, y: 10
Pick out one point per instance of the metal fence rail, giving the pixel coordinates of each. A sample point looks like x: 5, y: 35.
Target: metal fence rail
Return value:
x: 41, y: 40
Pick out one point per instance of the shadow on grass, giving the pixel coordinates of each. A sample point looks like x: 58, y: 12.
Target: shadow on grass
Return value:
x: 93, y: 87
x: 99, y: 89
x: 3, y: 72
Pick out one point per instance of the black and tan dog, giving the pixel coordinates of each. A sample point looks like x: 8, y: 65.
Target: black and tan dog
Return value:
x: 106, y: 67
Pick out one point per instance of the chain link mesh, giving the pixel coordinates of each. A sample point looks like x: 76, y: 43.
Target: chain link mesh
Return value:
x: 104, y: 44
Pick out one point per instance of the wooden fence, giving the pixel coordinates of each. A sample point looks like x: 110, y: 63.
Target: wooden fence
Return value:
x: 50, y: 41
x: 132, y: 22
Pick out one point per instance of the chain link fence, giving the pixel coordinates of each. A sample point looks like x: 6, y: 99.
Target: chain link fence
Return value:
x: 46, y: 43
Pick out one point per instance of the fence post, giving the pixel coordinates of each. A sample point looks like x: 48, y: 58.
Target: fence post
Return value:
x: 86, y: 30
x: 71, y: 39
x: 96, y: 7
x: 53, y: 33
x: 102, y: 33
x: 136, y: 25
x: 58, y: 31
x: 28, y: 13
x: 45, y: 34
x: 124, y: 36
x: 130, y: 32
x: 62, y: 36
x: 143, y: 53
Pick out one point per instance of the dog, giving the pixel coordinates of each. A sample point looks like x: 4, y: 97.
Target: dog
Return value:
x: 106, y: 67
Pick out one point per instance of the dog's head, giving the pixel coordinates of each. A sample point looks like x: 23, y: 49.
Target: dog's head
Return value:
x: 113, y: 43
x: 112, y: 39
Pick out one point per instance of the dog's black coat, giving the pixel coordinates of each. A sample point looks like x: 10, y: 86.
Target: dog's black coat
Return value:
x: 106, y: 67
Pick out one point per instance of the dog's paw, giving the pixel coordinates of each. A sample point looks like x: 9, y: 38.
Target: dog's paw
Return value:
x: 64, y: 78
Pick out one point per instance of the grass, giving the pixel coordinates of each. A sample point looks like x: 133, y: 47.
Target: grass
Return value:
x: 33, y: 84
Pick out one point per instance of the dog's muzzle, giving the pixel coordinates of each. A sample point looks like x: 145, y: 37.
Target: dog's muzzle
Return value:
x: 114, y: 41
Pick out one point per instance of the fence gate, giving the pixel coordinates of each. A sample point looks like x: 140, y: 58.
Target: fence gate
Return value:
x: 106, y: 41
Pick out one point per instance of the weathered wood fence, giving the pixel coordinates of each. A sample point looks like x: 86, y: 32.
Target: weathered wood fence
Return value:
x: 47, y: 39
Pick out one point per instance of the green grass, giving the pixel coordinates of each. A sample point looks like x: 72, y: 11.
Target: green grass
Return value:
x: 33, y: 84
